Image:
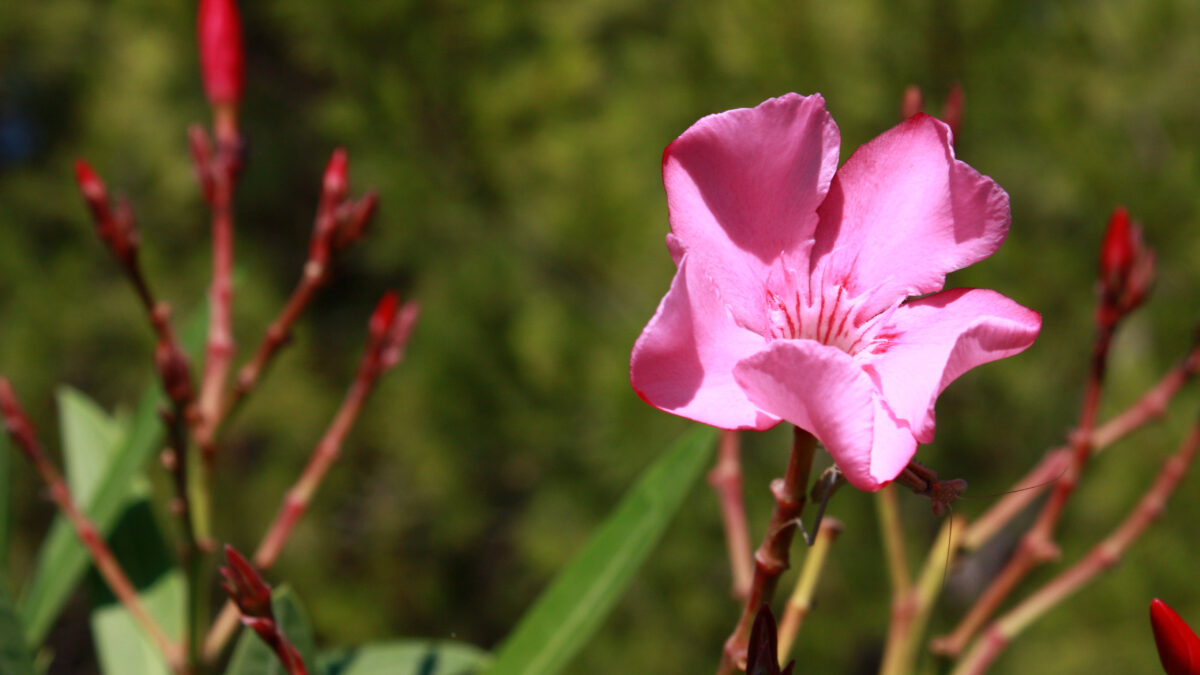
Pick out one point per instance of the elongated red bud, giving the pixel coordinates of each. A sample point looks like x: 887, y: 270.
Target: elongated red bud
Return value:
x: 90, y: 185
x: 1178, y: 645
x: 222, y: 58
x: 383, y: 316
x: 1116, y: 253
x: 335, y: 184
x: 1127, y: 268
x: 245, y: 585
x: 912, y: 102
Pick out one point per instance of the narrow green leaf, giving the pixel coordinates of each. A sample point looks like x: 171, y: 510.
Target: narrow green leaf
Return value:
x: 571, y: 609
x: 89, y: 438
x: 121, y: 645
x: 62, y: 560
x: 252, y: 657
x: 406, y: 657
x: 14, y: 653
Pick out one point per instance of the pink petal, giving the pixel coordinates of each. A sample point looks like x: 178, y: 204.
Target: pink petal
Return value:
x: 822, y: 389
x: 683, y: 361
x: 935, y: 339
x: 902, y: 212
x: 743, y: 186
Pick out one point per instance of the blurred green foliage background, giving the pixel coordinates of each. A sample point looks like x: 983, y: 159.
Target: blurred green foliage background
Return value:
x: 516, y: 147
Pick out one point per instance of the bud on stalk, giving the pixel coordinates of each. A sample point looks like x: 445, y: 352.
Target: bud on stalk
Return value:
x: 222, y: 58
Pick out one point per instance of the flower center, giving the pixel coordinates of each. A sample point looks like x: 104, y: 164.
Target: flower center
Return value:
x: 830, y: 315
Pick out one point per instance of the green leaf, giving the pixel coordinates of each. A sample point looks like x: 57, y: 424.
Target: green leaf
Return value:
x: 62, y: 560
x: 89, y: 438
x: 121, y: 645
x: 406, y: 657
x: 14, y: 653
x: 252, y: 657
x: 565, y: 616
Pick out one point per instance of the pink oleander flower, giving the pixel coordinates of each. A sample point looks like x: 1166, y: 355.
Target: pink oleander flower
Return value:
x: 802, y: 291
x: 1178, y: 645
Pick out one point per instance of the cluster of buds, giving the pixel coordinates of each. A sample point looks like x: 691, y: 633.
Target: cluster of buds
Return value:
x: 1126, y: 269
x: 389, y: 329
x: 1178, y: 645
x: 115, y: 226
x: 252, y: 596
x: 340, y: 220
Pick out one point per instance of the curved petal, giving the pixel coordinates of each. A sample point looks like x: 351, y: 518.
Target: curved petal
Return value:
x: 933, y: 340
x: 903, y: 212
x: 743, y: 186
x: 683, y: 361
x: 823, y: 390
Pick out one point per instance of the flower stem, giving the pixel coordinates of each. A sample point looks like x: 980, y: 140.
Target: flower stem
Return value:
x: 771, y: 559
x: 726, y: 480
x: 891, y: 529
x: 800, y: 602
x: 22, y: 433
x: 911, y: 610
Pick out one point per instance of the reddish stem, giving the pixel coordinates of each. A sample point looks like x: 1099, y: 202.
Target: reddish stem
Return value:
x: 21, y: 430
x: 771, y: 559
x: 1037, y: 546
x: 726, y: 480
x: 1103, y: 556
x: 390, y: 327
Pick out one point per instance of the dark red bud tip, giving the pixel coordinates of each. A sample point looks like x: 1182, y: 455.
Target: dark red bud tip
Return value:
x: 384, y: 314
x: 952, y: 111
x: 335, y: 184
x: 222, y: 57
x: 1117, y: 251
x: 89, y: 183
x: 245, y: 586
x: 1178, y: 645
x: 912, y: 102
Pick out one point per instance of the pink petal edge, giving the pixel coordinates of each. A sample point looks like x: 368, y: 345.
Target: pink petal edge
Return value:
x: 683, y: 361
x: 940, y: 337
x: 903, y: 212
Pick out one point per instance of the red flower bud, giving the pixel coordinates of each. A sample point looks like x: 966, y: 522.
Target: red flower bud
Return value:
x: 1178, y: 646
x: 1127, y: 268
x: 335, y: 184
x: 245, y: 586
x: 222, y: 59
x: 383, y: 316
x: 1116, y: 253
